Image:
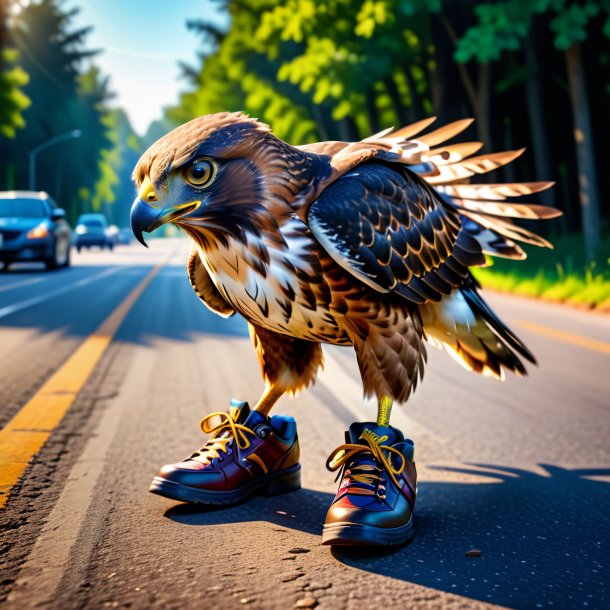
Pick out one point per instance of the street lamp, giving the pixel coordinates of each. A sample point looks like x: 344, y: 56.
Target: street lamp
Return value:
x: 75, y: 133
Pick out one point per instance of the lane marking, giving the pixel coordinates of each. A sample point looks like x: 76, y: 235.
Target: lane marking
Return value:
x: 27, y: 432
x: 10, y: 309
x: 60, y: 544
x: 565, y: 337
x: 28, y: 282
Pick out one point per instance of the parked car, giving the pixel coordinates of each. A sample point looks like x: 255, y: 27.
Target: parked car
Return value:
x: 93, y: 230
x: 33, y: 228
x: 125, y: 236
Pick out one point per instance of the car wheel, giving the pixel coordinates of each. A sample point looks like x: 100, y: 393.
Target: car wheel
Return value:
x: 79, y: 248
x: 110, y: 246
x: 68, y: 257
x: 5, y: 267
x: 60, y: 256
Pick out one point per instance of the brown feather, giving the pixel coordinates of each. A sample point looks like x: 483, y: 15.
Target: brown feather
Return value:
x: 286, y: 363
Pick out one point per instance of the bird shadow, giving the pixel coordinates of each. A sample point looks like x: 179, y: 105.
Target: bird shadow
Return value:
x: 543, y: 535
x: 543, y: 538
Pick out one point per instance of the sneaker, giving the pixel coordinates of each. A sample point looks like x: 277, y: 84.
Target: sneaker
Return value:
x: 248, y: 453
x: 374, y: 504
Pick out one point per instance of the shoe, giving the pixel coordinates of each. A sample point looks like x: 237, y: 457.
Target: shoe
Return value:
x: 374, y: 504
x: 248, y: 453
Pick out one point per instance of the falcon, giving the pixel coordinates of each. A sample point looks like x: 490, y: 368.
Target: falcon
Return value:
x: 366, y: 244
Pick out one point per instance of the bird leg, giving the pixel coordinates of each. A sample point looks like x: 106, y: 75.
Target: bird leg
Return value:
x: 384, y: 409
x: 270, y: 396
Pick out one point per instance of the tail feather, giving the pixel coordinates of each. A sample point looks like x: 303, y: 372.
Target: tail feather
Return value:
x: 482, y: 309
x: 473, y: 335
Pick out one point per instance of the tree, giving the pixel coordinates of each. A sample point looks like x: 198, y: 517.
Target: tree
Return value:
x: 503, y: 27
x: 12, y: 80
x: 66, y: 93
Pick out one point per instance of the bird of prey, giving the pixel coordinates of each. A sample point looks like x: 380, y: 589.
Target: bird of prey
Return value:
x: 365, y: 244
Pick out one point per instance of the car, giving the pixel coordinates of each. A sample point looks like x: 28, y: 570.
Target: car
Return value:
x: 124, y: 236
x: 93, y: 230
x: 33, y: 228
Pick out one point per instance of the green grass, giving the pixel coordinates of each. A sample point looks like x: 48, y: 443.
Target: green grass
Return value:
x: 559, y: 275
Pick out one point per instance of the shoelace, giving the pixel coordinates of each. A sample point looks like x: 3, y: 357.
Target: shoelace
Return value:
x: 217, y: 444
x: 365, y: 473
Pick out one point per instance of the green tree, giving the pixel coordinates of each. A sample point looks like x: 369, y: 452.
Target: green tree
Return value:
x: 12, y: 80
x: 66, y: 94
x: 505, y: 26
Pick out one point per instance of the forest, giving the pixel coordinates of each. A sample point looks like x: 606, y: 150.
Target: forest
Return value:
x: 534, y: 74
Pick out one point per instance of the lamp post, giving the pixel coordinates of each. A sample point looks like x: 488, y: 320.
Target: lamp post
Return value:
x: 75, y: 133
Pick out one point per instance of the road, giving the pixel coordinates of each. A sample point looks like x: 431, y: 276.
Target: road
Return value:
x: 519, y: 470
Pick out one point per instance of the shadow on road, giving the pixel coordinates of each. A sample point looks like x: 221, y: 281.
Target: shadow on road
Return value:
x: 544, y: 538
x: 303, y: 510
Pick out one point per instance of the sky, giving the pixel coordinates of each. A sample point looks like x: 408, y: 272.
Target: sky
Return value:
x: 142, y: 42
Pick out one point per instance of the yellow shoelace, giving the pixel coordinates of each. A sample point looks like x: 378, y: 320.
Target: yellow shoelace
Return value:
x: 345, y: 453
x: 218, y: 444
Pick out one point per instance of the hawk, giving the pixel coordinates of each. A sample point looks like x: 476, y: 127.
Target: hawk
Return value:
x: 366, y: 244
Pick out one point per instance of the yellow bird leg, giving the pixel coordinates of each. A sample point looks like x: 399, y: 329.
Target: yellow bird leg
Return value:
x: 384, y: 409
x: 270, y: 396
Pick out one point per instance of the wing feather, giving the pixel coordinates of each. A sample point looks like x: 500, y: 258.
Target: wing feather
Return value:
x: 389, y: 229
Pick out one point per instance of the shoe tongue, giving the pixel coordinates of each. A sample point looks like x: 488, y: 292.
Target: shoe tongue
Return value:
x: 255, y: 418
x: 383, y: 435
x: 239, y: 411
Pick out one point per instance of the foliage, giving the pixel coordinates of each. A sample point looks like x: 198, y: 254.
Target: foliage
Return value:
x: 12, y: 99
x: 502, y: 26
x: 67, y: 92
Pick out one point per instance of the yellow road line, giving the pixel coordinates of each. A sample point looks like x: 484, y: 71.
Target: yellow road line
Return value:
x: 27, y: 432
x: 560, y: 335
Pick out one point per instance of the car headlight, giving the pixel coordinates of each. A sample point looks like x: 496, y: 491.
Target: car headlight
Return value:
x: 80, y: 229
x: 38, y: 231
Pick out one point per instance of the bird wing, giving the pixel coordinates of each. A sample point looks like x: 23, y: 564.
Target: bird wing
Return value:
x: 485, y: 210
x: 204, y: 287
x: 387, y: 227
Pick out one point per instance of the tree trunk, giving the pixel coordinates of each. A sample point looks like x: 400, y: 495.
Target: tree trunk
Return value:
x: 537, y: 120
x: 477, y: 94
x: 482, y: 106
x: 320, y: 122
x: 399, y: 107
x: 371, y: 111
x: 585, y: 157
x: 348, y: 129
x: 418, y: 107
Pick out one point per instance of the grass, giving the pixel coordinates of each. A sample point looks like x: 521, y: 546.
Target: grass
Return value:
x: 560, y: 275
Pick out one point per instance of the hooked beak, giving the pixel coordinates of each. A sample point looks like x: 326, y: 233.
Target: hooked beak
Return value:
x: 143, y: 218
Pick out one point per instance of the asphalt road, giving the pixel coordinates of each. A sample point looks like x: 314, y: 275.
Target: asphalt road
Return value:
x: 519, y: 470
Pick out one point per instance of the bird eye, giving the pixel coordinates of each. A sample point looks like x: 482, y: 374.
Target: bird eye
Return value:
x: 201, y: 173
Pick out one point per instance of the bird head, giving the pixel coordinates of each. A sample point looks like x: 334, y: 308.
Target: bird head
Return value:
x: 218, y: 174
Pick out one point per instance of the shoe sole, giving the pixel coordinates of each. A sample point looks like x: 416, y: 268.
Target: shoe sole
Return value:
x: 355, y: 534
x: 272, y: 484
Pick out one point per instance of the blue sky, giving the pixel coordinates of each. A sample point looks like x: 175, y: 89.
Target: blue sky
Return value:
x: 142, y: 42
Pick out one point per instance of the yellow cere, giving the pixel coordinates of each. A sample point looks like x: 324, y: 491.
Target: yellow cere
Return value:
x: 147, y: 192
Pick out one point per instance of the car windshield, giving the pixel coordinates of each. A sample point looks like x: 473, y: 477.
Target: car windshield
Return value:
x: 22, y: 208
x: 91, y: 222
